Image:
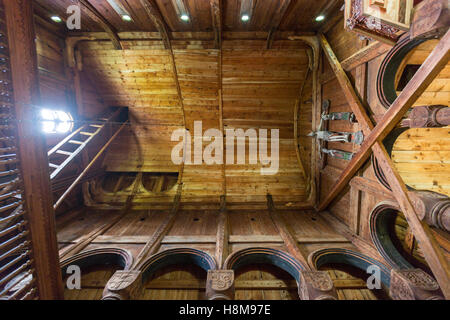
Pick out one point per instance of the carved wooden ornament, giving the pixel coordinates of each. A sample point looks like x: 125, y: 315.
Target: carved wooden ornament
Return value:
x: 316, y: 285
x: 123, y: 285
x: 413, y: 284
x: 220, y: 285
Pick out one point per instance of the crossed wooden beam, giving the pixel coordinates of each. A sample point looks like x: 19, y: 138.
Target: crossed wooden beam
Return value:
x: 435, y: 62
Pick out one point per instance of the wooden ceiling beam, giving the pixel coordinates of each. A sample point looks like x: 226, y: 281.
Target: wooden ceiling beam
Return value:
x: 216, y: 13
x: 155, y: 15
x: 366, y: 54
x: 418, y: 84
x: 93, y: 13
x: 276, y: 21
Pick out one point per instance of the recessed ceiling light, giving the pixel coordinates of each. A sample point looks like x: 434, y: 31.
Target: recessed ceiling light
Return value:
x: 245, y: 17
x: 56, y: 19
x: 320, y: 18
x: 126, y: 17
x: 184, y: 17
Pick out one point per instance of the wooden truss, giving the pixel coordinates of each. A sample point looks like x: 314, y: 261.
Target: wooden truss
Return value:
x: 373, y: 142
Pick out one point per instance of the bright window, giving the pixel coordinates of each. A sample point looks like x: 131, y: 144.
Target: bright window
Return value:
x: 56, y: 121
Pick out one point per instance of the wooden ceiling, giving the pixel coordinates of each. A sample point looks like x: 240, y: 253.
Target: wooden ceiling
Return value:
x: 169, y: 84
x: 284, y: 15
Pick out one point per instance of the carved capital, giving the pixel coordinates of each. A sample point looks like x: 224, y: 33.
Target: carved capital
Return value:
x: 430, y: 19
x: 432, y: 207
x: 429, y: 117
x: 316, y: 285
x: 123, y: 285
x: 414, y: 284
x: 220, y: 285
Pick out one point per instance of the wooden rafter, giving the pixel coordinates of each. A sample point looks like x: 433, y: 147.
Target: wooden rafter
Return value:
x: 432, y: 66
x: 93, y: 13
x: 286, y: 234
x: 276, y: 20
x: 155, y: 240
x: 216, y: 13
x: 155, y: 15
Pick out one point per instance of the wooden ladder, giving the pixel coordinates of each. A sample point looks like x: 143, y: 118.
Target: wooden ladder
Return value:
x: 72, y: 145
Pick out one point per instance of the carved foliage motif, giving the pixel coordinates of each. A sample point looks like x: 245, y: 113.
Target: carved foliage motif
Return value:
x: 123, y: 285
x: 316, y: 285
x: 413, y: 284
x: 220, y: 285
x: 222, y: 280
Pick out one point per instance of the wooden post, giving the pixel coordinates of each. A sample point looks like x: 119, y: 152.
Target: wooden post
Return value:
x: 418, y: 84
x: 32, y: 146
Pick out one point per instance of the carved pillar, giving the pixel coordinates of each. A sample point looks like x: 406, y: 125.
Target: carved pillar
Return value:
x: 414, y: 284
x: 432, y: 207
x: 220, y: 285
x: 429, y: 117
x: 123, y: 285
x: 316, y: 285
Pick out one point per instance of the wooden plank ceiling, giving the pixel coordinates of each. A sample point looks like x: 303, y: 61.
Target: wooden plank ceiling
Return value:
x: 294, y: 15
x: 259, y: 89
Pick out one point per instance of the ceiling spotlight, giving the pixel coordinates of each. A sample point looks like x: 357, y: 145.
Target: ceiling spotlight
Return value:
x: 126, y: 17
x: 245, y: 17
x: 320, y: 18
x: 56, y: 19
x: 184, y: 17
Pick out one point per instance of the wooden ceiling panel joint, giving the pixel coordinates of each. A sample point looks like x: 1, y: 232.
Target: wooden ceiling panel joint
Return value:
x: 154, y: 14
x: 93, y: 13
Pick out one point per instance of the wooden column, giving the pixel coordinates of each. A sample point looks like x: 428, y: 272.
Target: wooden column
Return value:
x: 33, y: 149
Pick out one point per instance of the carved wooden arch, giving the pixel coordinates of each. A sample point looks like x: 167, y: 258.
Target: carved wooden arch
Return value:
x: 115, y: 256
x: 274, y: 257
x: 381, y: 217
x: 177, y: 256
x: 388, y: 69
x: 345, y: 256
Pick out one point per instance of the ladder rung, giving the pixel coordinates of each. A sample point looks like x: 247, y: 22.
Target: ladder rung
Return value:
x: 75, y: 142
x: 66, y: 153
x: 52, y: 165
x: 96, y: 125
x: 87, y: 133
